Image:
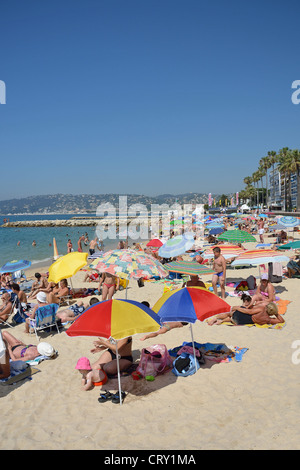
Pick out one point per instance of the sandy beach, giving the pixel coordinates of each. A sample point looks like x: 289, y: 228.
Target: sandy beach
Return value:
x: 252, y: 404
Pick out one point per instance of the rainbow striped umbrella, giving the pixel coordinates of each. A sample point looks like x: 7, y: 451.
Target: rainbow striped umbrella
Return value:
x: 256, y: 257
x: 130, y: 264
x: 237, y: 236
x: 228, y: 251
x: 188, y: 267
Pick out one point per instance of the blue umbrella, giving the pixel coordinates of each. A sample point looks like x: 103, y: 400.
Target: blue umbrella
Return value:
x: 289, y: 221
x: 216, y: 231
x: 14, y: 266
x: 176, y: 246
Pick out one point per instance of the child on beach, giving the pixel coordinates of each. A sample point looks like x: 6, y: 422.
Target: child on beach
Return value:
x: 90, y: 377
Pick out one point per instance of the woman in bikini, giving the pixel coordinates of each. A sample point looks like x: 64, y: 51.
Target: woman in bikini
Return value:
x: 110, y: 285
x: 18, y: 350
x: 108, y: 360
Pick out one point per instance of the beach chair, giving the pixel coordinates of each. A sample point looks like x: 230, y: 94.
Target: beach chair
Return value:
x: 12, y: 311
x: 45, y: 317
x: 66, y: 299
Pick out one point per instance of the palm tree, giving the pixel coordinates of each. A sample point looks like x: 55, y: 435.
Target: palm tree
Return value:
x: 265, y: 164
x: 248, y: 180
x: 255, y: 179
x: 261, y: 173
x: 273, y: 158
x: 295, y: 168
x: 283, y: 167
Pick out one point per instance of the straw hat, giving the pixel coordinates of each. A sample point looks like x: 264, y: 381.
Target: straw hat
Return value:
x: 45, y: 349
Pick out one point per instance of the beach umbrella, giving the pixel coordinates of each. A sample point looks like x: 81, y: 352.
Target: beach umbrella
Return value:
x: 189, y: 304
x: 290, y: 246
x: 130, y: 264
x: 256, y: 257
x: 67, y: 266
x: 14, y: 266
x: 237, y: 236
x: 115, y: 319
x: 155, y: 242
x: 228, y: 251
x: 188, y: 267
x: 289, y: 221
x: 216, y: 231
x: 176, y: 246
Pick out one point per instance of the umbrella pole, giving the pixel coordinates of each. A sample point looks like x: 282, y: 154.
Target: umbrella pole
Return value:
x: 119, y: 376
x: 194, y: 351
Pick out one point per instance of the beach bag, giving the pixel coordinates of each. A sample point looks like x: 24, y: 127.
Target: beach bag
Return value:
x: 185, y: 365
x: 251, y: 281
x: 154, y: 360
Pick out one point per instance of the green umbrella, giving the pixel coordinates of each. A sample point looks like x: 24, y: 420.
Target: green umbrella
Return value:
x: 237, y: 236
x: 290, y: 246
x: 188, y: 267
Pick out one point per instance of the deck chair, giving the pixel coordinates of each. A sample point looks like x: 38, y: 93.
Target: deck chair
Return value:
x: 45, y: 317
x: 12, y: 311
x: 66, y: 299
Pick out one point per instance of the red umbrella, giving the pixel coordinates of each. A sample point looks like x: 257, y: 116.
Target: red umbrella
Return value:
x: 155, y: 242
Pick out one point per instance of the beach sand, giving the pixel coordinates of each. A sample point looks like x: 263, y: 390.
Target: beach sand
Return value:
x: 252, y: 404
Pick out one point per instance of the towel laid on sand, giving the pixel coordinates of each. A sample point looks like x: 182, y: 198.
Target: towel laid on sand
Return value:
x: 19, y: 370
x: 217, y: 352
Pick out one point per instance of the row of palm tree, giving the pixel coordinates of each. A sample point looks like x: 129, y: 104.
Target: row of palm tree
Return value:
x: 287, y: 162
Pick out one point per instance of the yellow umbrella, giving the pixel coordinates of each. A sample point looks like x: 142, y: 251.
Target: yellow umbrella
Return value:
x: 67, y: 266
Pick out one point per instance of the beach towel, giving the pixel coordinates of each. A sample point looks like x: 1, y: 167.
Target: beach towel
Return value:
x: 19, y: 370
x: 278, y: 326
x: 282, y: 305
x: 217, y: 352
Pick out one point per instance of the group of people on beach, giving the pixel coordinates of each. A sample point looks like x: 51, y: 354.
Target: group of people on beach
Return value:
x: 261, y: 308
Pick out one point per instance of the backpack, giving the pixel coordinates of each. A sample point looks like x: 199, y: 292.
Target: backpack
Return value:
x: 185, y: 365
x: 154, y: 360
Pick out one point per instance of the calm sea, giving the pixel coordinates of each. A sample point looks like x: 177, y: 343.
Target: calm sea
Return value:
x: 43, y: 237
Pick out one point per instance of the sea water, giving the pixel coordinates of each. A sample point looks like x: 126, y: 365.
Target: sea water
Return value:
x: 16, y: 243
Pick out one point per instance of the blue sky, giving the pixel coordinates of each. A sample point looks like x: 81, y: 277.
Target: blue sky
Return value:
x: 144, y: 96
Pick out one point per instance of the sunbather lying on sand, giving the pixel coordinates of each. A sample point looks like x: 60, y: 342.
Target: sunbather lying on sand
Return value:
x: 72, y: 312
x: 19, y: 351
x: 262, y: 314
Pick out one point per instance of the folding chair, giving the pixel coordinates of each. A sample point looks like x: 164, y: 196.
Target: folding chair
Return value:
x: 45, y: 317
x: 66, y: 299
x: 5, y: 322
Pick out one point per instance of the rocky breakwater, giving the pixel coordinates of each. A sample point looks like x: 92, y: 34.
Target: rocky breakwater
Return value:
x: 78, y: 222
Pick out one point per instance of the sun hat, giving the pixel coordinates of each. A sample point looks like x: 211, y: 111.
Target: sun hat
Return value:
x: 45, y: 349
x: 41, y: 297
x: 264, y: 276
x: 83, y: 363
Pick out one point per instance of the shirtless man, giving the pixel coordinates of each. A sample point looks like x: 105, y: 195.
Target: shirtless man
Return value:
x: 94, y: 246
x: 194, y: 282
x: 219, y: 265
x: 20, y: 293
x: 61, y: 291
x: 40, y: 283
x: 5, y: 309
x: 81, y: 239
x: 261, y: 230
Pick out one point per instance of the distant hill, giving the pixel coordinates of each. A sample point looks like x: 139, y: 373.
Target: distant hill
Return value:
x: 70, y: 203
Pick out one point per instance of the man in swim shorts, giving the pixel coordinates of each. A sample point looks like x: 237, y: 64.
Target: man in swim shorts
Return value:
x: 219, y: 276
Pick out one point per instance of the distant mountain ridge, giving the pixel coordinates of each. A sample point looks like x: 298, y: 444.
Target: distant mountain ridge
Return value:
x: 82, y: 203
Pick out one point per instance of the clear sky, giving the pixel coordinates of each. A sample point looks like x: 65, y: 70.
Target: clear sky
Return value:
x: 144, y: 96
